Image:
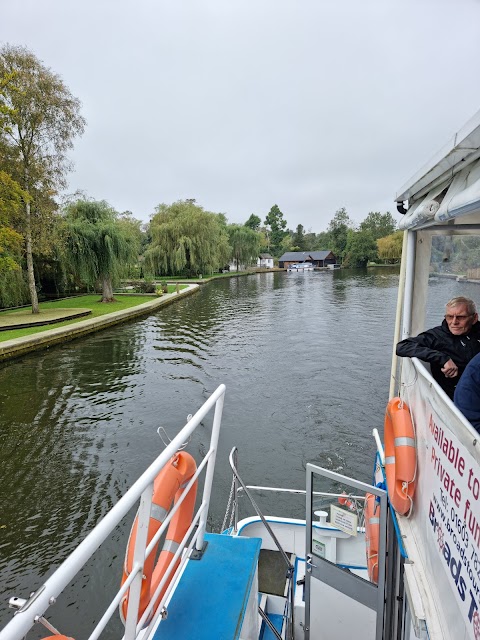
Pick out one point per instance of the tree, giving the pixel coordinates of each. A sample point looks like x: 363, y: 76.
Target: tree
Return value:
x: 286, y: 244
x: 323, y: 242
x: 12, y: 284
x: 390, y: 248
x: 245, y: 244
x: 298, y: 238
x: 11, y: 200
x: 338, y: 232
x: 133, y: 229
x: 40, y: 119
x: 253, y: 222
x: 379, y: 224
x: 277, y: 225
x: 361, y: 248
x: 187, y: 240
x: 99, y: 245
x: 309, y: 240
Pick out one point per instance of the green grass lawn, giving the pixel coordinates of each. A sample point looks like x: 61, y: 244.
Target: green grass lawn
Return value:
x: 89, y: 302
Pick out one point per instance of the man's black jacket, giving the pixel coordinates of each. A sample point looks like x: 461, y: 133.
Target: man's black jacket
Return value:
x: 437, y: 346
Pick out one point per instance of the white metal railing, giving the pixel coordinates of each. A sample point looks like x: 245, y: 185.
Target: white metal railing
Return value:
x: 32, y: 610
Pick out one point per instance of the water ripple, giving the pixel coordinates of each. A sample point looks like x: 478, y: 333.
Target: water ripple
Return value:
x: 305, y: 358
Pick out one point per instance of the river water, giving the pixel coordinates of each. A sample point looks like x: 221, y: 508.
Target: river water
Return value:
x: 305, y: 358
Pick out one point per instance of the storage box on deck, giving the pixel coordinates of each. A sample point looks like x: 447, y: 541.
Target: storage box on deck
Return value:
x: 217, y: 596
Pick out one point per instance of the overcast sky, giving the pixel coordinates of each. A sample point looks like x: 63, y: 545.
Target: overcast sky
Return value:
x: 241, y: 104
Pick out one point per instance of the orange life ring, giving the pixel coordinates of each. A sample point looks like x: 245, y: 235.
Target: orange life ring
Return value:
x: 372, y: 535
x: 345, y: 501
x: 168, y: 488
x: 400, y: 456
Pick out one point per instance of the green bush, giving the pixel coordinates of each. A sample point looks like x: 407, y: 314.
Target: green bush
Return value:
x: 13, y: 289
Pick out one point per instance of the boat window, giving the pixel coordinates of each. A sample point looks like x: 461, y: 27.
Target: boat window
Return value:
x: 337, y: 506
x: 454, y: 271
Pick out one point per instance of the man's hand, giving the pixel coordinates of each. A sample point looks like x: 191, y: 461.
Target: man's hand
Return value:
x: 450, y: 369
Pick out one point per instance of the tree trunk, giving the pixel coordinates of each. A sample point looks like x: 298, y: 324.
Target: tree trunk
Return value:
x: 31, y: 274
x: 107, y: 290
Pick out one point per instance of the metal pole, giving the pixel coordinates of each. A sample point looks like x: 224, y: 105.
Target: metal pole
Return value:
x: 235, y: 494
x: 207, y: 488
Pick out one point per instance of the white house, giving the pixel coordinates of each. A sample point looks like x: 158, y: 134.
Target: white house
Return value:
x: 265, y: 261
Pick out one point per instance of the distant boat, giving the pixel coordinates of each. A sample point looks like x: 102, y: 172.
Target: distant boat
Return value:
x: 300, y: 266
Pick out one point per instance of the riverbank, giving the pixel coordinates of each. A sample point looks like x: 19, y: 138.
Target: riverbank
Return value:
x: 217, y: 276
x: 17, y: 347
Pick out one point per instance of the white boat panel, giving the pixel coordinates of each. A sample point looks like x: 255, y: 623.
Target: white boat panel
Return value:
x: 441, y: 535
x: 463, y: 195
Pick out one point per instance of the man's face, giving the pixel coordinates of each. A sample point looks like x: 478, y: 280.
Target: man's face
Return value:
x: 459, y: 320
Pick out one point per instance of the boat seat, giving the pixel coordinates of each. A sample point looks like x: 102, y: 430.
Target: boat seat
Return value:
x: 211, y: 597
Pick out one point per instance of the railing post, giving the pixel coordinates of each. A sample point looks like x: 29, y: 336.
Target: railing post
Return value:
x: 138, y: 559
x: 235, y: 494
x: 207, y: 489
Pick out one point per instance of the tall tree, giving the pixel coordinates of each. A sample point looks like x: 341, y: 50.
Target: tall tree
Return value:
x: 338, y: 232
x: 41, y: 118
x: 99, y: 245
x: 245, y: 244
x: 379, y: 224
x: 323, y: 242
x: 298, y: 238
x: 134, y: 229
x: 187, y: 240
x: 253, y: 222
x: 12, y: 284
x: 361, y: 249
x: 310, y: 239
x: 277, y: 224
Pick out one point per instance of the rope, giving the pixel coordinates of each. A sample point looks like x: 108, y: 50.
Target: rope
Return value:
x: 405, y: 485
x: 229, y: 504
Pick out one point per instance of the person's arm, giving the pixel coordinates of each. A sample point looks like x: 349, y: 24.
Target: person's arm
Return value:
x: 424, y: 347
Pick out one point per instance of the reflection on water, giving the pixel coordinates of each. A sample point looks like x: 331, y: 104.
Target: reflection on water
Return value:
x: 305, y: 358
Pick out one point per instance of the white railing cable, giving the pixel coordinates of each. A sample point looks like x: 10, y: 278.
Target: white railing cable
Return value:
x: 183, y: 546
x: 113, y: 606
x: 47, y: 594
x: 207, y: 488
x: 138, y: 560
x: 324, y: 494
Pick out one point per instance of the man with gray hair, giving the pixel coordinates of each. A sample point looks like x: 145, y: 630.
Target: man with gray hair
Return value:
x: 449, y: 347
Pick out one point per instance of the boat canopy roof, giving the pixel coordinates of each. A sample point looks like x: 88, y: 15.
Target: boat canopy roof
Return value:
x: 448, y: 186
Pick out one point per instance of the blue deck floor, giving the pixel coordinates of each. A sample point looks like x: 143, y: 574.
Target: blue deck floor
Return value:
x: 211, y: 598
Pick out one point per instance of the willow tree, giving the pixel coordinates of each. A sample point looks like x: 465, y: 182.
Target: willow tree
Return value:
x: 40, y: 118
x: 245, y: 244
x: 99, y: 246
x: 390, y: 247
x: 187, y: 240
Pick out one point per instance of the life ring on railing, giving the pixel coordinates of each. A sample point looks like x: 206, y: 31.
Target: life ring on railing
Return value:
x: 400, y: 456
x: 345, y: 501
x: 168, y: 488
x: 372, y: 535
